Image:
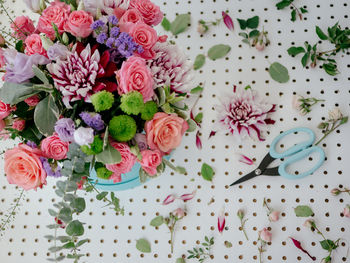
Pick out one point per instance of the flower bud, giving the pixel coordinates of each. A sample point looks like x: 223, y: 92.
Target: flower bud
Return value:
x: 65, y: 38
x: 179, y: 213
x: 202, y: 29
x: 335, y: 192
x: 260, y: 46
x: 274, y: 216
x: 46, y: 42
x: 240, y: 214
x: 221, y: 220
x: 335, y: 114
x: 265, y: 235
x: 310, y: 223
x: 187, y: 197
x: 346, y: 211
x: 313, y: 64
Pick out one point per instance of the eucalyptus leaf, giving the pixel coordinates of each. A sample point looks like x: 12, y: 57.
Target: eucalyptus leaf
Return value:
x: 279, y: 73
x: 13, y: 93
x: 78, y: 204
x: 40, y: 74
x: 166, y: 24
x: 143, y: 245
x: 303, y: 211
x: 207, y: 172
x: 218, y: 51
x: 65, y: 215
x: 199, y: 62
x: 46, y: 115
x: 110, y: 155
x: 180, y: 24
x: 75, y: 228
x: 157, y: 221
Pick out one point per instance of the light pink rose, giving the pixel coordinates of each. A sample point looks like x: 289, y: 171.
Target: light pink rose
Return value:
x: 34, y: 45
x: 145, y: 36
x: 5, y: 110
x: 126, y: 164
x: 131, y: 16
x: 2, y: 58
x: 134, y: 75
x: 265, y: 235
x: 23, y: 26
x: 79, y: 23
x: 57, y: 13
x: 19, y: 124
x: 165, y: 131
x: 2, y: 125
x: 53, y: 147
x: 346, y: 211
x: 24, y: 168
x: 274, y: 216
x: 179, y: 213
x: 151, y: 13
x: 150, y: 161
x: 32, y: 101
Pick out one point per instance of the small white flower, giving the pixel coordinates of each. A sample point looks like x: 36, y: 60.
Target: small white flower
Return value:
x: 335, y: 114
x: 84, y: 136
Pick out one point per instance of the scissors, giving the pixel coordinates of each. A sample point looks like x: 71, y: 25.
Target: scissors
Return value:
x: 294, y: 154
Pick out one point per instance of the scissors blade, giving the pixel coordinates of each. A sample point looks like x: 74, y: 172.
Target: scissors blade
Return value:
x: 245, y: 178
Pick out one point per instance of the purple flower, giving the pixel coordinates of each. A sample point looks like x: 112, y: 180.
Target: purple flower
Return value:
x: 57, y: 51
x: 93, y: 120
x: 101, y: 38
x: 141, y: 141
x: 115, y: 32
x: 32, y: 144
x: 65, y: 129
x: 113, y: 20
x: 48, y: 169
x: 110, y: 42
x: 84, y: 136
x: 97, y: 24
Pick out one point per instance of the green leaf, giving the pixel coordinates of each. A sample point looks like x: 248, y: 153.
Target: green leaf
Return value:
x: 207, y: 172
x: 243, y: 34
x: 40, y: 75
x: 110, y: 155
x: 180, y: 260
x: 303, y: 211
x: 228, y: 244
x: 65, y: 215
x: 305, y: 59
x: 55, y: 249
x: 75, y: 228
x: 218, y: 51
x: 199, y: 117
x: 197, y: 89
x: 303, y: 10
x: 81, y: 242
x: 199, y: 62
x: 78, y: 204
x: 293, y: 15
x: 283, y: 4
x: 157, y: 221
x: 293, y: 51
x: 102, y: 195
x: 52, y: 212
x: 328, y: 245
x: 253, y: 22
x: 13, y: 93
x: 180, y: 24
x: 242, y: 23
x: 19, y: 46
x: 320, y: 33
x: 68, y: 245
x: 344, y: 120
x: 166, y: 24
x: 279, y: 73
x: 330, y: 68
x: 192, y: 126
x: 254, y: 33
x: 46, y: 115
x: 143, y: 245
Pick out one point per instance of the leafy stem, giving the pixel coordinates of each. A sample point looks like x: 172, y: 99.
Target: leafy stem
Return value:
x: 12, y: 213
x: 10, y: 18
x: 203, y: 252
x: 329, y: 132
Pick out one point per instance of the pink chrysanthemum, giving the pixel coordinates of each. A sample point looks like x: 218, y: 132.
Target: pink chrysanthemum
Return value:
x: 245, y: 114
x: 171, y: 67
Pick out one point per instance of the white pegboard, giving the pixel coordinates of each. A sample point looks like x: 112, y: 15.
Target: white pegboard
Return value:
x: 112, y: 238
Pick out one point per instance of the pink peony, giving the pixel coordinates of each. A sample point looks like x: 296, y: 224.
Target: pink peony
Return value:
x: 346, y: 211
x: 5, y: 110
x: 53, y: 147
x: 131, y: 16
x: 150, y: 161
x: 165, y: 131
x: 134, y: 75
x: 151, y: 13
x: 19, y: 124
x: 126, y: 164
x: 79, y: 23
x: 32, y: 101
x: 57, y: 13
x: 274, y: 216
x: 34, y: 45
x: 2, y: 58
x: 265, y: 235
x: 24, y: 168
x: 23, y: 26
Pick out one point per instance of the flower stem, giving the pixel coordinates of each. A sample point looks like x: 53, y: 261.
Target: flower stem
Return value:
x: 12, y: 213
x: 297, y: 9
x: 245, y: 234
x: 328, y: 132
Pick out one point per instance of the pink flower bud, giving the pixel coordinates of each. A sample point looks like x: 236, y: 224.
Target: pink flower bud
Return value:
x: 179, y: 213
x: 346, y: 211
x: 19, y: 125
x: 198, y: 141
x: 221, y: 221
x: 309, y: 223
x: 244, y: 159
x: 188, y: 197
x: 265, y: 235
x: 260, y: 46
x: 169, y: 199
x: 335, y: 192
x: 228, y: 21
x: 274, y: 216
x: 32, y: 101
x: 202, y: 28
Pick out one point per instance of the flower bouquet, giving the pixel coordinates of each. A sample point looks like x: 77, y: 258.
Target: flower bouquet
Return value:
x: 92, y: 89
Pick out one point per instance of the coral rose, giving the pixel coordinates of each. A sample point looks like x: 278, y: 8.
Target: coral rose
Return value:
x: 79, y: 24
x: 34, y: 45
x: 5, y: 110
x: 24, y: 168
x: 165, y: 131
x: 53, y: 147
x: 151, y: 13
x: 131, y: 16
x: 19, y: 125
x: 150, y: 161
x: 134, y: 75
x: 145, y: 36
x: 23, y: 26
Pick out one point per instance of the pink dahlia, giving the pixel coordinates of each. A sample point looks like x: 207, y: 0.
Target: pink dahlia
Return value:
x: 80, y: 75
x: 245, y: 114
x: 170, y: 67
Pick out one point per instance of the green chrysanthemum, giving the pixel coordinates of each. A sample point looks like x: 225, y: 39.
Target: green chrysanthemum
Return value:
x: 102, y: 100
x: 149, y: 109
x: 96, y: 147
x: 103, y: 173
x: 132, y: 102
x: 122, y: 128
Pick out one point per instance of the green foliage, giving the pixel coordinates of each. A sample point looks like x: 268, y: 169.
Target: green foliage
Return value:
x: 169, y: 101
x: 303, y: 211
x: 157, y: 221
x: 46, y: 115
x: 143, y: 245
x: 103, y: 173
x: 110, y: 155
x: 203, y: 252
x: 180, y: 24
x: 102, y: 100
x: 329, y: 245
x: 207, y: 172
x: 286, y: 3
x: 132, y: 102
x: 149, y: 109
x: 279, y: 73
x: 166, y: 24
x: 13, y: 93
x: 199, y: 62
x: 218, y: 51
x: 122, y: 128
x: 252, y: 35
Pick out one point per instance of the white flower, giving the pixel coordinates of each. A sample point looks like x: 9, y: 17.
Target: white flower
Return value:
x: 335, y: 114
x: 104, y: 6
x: 84, y: 136
x: 33, y: 5
x: 297, y: 104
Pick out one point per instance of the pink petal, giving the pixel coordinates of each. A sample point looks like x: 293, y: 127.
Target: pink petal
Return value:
x: 245, y: 159
x: 198, y: 141
x: 188, y: 197
x: 228, y: 21
x: 212, y: 133
x: 169, y: 199
x: 221, y: 221
x: 297, y: 244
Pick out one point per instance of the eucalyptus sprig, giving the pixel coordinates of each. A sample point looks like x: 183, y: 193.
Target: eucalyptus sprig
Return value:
x: 251, y: 35
x: 203, y: 252
x: 336, y: 36
x: 295, y: 10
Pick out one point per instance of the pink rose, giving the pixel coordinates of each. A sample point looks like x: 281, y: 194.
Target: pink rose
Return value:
x: 134, y: 75
x: 23, y: 26
x: 151, y: 13
x: 346, y: 211
x: 165, y: 131
x: 5, y: 110
x: 126, y: 164
x: 131, y: 16
x: 56, y: 13
x: 265, y: 235
x: 79, y: 24
x: 179, y: 213
x: 2, y: 58
x: 19, y: 124
x: 274, y: 216
x: 53, y: 147
x: 145, y: 36
x: 2, y: 125
x: 150, y: 161
x: 32, y: 101
x: 24, y: 168
x: 34, y: 45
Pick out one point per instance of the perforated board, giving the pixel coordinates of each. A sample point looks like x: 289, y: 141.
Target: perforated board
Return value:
x: 112, y: 238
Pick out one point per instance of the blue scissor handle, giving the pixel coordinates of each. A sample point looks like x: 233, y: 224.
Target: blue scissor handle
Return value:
x: 294, y: 149
x: 298, y: 156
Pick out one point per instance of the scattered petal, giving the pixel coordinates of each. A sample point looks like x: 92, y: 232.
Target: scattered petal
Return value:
x: 188, y: 197
x: 228, y: 21
x: 245, y: 159
x: 198, y: 141
x: 297, y: 244
x: 212, y: 133
x: 221, y: 221
x: 169, y: 199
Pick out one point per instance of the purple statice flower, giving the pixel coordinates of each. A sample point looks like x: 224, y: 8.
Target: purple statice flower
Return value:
x: 65, y: 129
x: 110, y: 42
x: 115, y: 56
x: 32, y: 144
x: 93, y: 120
x: 57, y: 51
x: 114, y: 32
x: 98, y: 24
x: 113, y: 20
x: 48, y: 169
x: 101, y: 38
x: 125, y: 44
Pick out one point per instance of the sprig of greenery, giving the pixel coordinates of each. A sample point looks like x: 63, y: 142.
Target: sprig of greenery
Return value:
x: 251, y: 35
x: 300, y: 11
x: 240, y: 214
x: 202, y: 253
x: 336, y: 36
